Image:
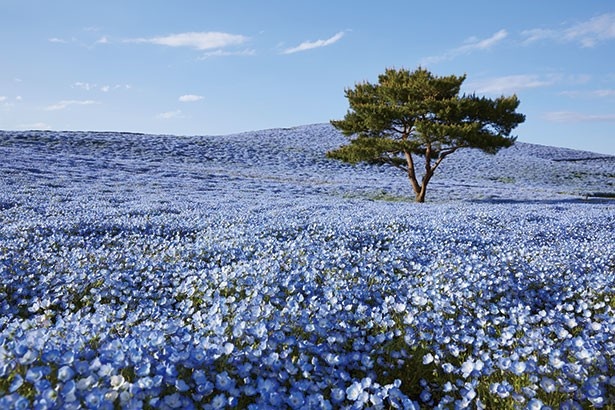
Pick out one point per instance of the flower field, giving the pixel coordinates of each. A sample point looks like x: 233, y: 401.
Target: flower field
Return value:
x: 249, y: 271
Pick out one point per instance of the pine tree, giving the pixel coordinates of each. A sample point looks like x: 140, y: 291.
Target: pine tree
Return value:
x: 416, y: 114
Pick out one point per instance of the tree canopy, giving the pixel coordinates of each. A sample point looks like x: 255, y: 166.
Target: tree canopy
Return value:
x: 415, y: 113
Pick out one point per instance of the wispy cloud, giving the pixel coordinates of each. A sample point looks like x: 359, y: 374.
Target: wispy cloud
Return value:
x: 68, y: 103
x: 7, y: 102
x: 510, y: 83
x: 196, y: 40
x: 515, y: 83
x: 95, y: 87
x: 190, y: 98
x: 226, y: 53
x: 537, y: 34
x: 84, y: 86
x: 170, y: 115
x: 568, y: 116
x: 587, y: 33
x: 60, y: 40
x: 308, y: 45
x: 478, y: 44
x: 470, y: 45
x: 604, y: 93
x: 87, y: 43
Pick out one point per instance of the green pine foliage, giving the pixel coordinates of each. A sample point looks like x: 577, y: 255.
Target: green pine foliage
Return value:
x: 410, y: 114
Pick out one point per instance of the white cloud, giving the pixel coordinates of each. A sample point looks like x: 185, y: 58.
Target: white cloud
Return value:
x: 62, y: 40
x: 511, y: 83
x: 57, y: 40
x: 170, y: 115
x: 604, y: 93
x: 225, y: 53
x: 568, y: 116
x: 537, y: 34
x: 197, y: 40
x: 190, y: 98
x: 591, y: 32
x: 83, y: 86
x: 103, y: 88
x: 6, y: 101
x: 102, y: 40
x: 587, y: 33
x: 67, y: 103
x: 470, y: 45
x: 308, y: 45
x: 478, y: 44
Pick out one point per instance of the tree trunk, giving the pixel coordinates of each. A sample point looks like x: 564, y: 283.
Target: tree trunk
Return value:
x: 411, y: 173
x: 420, y: 195
x: 420, y: 189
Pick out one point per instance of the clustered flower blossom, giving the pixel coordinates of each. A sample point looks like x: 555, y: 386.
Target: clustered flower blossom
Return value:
x: 135, y: 274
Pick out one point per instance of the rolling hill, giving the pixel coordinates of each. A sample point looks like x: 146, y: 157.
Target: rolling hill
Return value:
x: 281, y: 163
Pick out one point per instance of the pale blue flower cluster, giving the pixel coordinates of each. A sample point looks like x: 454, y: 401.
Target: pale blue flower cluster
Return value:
x: 134, y: 277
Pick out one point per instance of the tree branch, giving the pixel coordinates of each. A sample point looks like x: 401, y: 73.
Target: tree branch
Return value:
x: 428, y: 159
x: 391, y: 161
x: 445, y: 154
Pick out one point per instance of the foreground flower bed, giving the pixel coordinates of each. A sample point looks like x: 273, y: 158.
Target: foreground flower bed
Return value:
x: 317, y: 304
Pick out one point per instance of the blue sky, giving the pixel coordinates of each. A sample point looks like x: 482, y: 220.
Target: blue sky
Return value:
x: 218, y: 67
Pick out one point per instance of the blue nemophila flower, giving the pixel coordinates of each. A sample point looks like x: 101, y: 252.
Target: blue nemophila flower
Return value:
x: 354, y: 391
x: 534, y: 404
x: 210, y: 290
x: 224, y: 382
x: 428, y: 358
x: 519, y: 367
x: 501, y: 389
x: 548, y: 385
x: 21, y: 403
x: 94, y: 398
x: 68, y: 391
x: 117, y: 381
x: 181, y: 385
x: 34, y: 374
x: 425, y: 396
x: 337, y: 395
x: 174, y: 401
x: 594, y: 391
x: 228, y: 348
x: 296, y: 399
x: 16, y: 383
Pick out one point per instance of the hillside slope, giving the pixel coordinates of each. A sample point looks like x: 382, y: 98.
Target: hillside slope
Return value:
x: 186, y: 272
x: 278, y: 163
